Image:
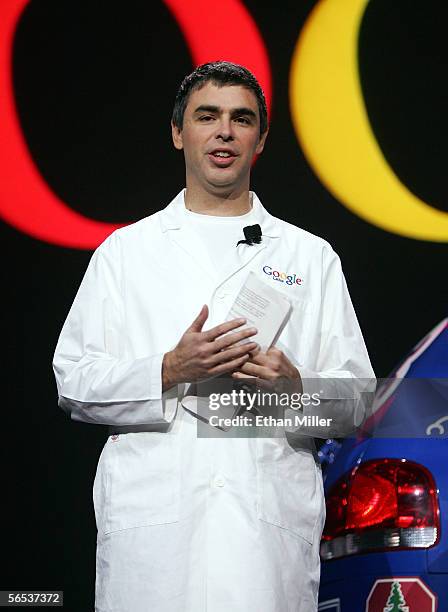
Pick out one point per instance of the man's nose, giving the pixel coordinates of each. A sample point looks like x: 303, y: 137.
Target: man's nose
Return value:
x: 225, y: 129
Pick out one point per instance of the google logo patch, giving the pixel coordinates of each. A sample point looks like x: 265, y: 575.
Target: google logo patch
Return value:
x: 282, y: 277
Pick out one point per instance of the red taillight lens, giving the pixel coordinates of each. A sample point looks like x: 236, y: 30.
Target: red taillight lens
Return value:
x: 372, y: 500
x: 383, y: 503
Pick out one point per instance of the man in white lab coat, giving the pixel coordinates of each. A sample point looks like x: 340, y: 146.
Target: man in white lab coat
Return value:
x: 191, y: 524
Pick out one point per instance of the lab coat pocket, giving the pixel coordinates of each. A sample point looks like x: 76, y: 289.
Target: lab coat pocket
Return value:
x: 141, y: 476
x: 289, y: 491
x: 100, y: 488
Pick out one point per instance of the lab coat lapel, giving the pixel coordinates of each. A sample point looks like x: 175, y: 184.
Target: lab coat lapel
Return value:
x: 173, y: 219
x: 245, y: 253
x: 188, y: 241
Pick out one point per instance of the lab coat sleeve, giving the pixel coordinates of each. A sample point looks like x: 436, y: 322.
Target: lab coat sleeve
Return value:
x: 341, y: 366
x: 96, y: 383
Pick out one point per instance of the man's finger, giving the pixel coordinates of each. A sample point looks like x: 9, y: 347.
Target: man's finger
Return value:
x: 250, y: 380
x: 259, y: 358
x: 254, y: 383
x: 230, y: 366
x: 233, y: 353
x: 257, y: 371
x: 198, y: 323
x: 233, y: 337
x: 255, y: 352
x: 223, y: 328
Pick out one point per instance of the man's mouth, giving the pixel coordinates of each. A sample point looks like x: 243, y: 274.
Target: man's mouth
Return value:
x: 221, y: 157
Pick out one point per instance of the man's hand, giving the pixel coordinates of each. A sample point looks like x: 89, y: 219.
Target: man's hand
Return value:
x: 200, y: 355
x: 271, y: 370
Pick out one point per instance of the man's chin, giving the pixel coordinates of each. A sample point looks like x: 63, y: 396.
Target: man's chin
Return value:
x: 223, y: 189
x: 223, y: 182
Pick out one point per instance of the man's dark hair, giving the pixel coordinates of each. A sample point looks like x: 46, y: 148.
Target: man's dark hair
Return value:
x: 220, y: 74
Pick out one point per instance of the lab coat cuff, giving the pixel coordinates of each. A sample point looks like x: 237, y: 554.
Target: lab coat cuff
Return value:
x: 328, y: 386
x: 155, y: 376
x: 169, y: 398
x: 310, y: 381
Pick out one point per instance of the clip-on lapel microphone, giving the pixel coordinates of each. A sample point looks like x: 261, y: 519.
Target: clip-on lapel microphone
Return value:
x: 252, y: 235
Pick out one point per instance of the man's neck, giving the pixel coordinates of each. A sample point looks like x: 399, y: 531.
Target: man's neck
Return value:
x: 232, y: 205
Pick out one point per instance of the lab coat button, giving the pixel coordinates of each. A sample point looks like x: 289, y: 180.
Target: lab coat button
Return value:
x: 220, y: 296
x: 219, y: 481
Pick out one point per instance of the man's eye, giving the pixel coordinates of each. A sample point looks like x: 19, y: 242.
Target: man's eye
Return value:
x: 243, y: 120
x: 205, y: 118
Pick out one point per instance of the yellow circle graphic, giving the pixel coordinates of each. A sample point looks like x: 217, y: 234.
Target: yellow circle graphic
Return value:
x: 333, y: 128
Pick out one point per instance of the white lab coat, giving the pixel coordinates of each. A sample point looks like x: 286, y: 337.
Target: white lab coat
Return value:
x: 189, y: 524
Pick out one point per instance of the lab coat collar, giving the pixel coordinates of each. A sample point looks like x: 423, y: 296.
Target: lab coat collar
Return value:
x: 173, y: 216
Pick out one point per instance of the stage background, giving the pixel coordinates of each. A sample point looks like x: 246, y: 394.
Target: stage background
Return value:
x: 94, y: 85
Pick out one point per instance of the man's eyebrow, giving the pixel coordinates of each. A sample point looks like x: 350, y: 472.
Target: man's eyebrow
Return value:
x: 243, y: 110
x: 209, y: 108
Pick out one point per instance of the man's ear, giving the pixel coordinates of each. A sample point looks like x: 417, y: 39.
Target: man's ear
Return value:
x: 260, y: 145
x: 177, y: 136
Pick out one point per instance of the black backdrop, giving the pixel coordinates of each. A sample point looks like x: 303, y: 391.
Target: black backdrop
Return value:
x: 94, y: 84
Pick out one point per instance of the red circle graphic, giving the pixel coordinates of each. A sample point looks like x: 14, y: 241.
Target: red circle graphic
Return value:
x: 26, y: 200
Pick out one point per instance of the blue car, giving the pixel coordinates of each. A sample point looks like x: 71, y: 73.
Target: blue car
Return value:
x: 385, y: 542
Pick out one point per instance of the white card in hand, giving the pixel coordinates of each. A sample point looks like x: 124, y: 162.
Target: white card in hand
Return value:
x: 264, y: 308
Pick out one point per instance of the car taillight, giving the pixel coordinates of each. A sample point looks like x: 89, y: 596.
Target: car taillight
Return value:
x: 387, y: 504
